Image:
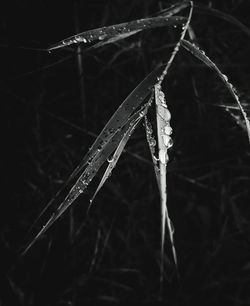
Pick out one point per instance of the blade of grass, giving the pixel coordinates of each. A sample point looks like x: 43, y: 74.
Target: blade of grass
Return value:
x: 164, y: 143
x: 112, y: 40
x: 105, y: 33
x: 177, y: 46
x: 152, y: 143
x: 174, y: 9
x: 79, y: 59
x: 89, y: 173
x: 200, y: 54
x: 120, y: 117
x: 113, y: 161
x: 116, y: 122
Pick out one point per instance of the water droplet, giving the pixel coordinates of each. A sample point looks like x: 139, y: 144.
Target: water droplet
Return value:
x: 225, y: 77
x: 110, y: 159
x: 167, y: 141
x: 78, y: 38
x: 161, y: 97
x: 101, y: 37
x: 152, y: 142
x: 167, y: 130
x: 141, y: 114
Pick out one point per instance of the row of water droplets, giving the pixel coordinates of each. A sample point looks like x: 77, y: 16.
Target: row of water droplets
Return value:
x: 111, y: 31
x: 166, y: 130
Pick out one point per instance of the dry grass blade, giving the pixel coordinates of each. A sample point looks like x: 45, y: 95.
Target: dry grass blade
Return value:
x: 221, y: 15
x: 200, y: 54
x: 115, y: 157
x: 105, y: 33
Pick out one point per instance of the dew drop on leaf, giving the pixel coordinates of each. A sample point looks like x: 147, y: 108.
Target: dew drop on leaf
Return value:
x: 168, y: 130
x: 110, y: 159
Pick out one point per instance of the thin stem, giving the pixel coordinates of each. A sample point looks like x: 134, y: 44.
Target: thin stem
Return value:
x: 79, y: 58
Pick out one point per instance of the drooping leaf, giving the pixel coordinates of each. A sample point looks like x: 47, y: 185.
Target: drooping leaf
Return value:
x: 164, y: 143
x: 200, y: 54
x: 119, y: 118
x: 91, y: 170
x: 115, y: 157
x: 116, y: 122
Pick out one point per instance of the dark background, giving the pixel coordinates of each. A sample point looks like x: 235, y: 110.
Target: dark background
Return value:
x: 112, y: 255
